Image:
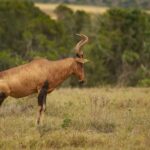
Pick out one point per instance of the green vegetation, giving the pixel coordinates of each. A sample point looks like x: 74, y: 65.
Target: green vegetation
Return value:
x: 79, y: 119
x: 119, y: 47
x: 75, y: 119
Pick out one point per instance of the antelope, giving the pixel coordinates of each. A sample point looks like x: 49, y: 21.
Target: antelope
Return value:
x: 42, y: 76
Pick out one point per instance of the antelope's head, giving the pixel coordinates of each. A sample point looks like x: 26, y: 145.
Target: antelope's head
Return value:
x: 79, y: 59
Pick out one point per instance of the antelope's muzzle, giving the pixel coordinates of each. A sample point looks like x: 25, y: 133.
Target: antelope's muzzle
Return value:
x: 81, y: 82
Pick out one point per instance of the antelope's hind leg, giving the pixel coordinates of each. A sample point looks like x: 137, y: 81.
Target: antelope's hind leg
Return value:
x: 42, y: 101
x: 2, y: 97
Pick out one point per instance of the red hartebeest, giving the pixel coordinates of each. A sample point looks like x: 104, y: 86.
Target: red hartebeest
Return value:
x: 41, y: 76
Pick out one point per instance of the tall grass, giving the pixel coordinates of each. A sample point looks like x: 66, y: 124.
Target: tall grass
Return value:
x: 96, y: 118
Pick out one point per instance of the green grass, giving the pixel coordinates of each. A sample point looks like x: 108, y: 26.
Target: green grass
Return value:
x: 79, y: 119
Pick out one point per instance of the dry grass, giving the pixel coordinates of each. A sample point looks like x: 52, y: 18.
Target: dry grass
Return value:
x: 49, y: 8
x: 76, y: 119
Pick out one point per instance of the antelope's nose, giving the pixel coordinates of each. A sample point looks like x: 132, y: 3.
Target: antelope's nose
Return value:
x: 81, y: 82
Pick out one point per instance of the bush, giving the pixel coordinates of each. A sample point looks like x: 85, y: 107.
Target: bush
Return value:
x: 144, y: 83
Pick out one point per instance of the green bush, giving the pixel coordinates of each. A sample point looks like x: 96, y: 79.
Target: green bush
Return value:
x: 144, y: 83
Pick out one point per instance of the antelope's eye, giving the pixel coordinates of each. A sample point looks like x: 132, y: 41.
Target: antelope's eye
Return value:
x: 79, y: 55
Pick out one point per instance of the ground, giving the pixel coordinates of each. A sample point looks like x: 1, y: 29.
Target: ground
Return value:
x: 79, y: 119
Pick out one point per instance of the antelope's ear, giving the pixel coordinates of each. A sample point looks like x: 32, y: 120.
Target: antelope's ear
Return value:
x: 81, y: 60
x: 85, y: 60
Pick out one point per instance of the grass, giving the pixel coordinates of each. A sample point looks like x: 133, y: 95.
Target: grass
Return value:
x: 49, y: 8
x: 79, y: 119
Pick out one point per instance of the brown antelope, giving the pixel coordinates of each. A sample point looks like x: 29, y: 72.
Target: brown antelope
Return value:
x: 41, y: 76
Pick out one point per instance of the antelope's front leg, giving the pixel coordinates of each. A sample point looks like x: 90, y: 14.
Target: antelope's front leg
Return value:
x: 2, y: 97
x: 42, y: 101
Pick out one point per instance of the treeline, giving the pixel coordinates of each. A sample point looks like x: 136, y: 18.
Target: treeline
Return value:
x: 119, y: 48
x: 110, y: 3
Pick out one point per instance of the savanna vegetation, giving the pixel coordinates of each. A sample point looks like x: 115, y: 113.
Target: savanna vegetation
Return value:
x: 119, y: 48
x: 49, y: 8
x: 110, y: 3
x: 75, y: 119
x: 78, y: 119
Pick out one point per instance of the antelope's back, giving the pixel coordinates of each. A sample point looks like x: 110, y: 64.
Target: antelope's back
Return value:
x: 24, y: 80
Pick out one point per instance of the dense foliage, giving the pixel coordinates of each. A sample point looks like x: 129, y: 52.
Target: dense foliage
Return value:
x: 121, y: 3
x: 119, y: 47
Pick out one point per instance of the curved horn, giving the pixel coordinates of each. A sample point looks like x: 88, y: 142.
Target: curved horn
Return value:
x: 81, y: 43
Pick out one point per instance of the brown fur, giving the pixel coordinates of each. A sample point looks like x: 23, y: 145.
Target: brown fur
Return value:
x: 29, y: 78
x: 41, y: 76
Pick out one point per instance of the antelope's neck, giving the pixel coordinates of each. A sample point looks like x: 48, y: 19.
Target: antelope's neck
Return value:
x: 63, y: 69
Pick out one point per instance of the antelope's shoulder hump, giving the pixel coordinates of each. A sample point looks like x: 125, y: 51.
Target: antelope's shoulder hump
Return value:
x: 39, y: 61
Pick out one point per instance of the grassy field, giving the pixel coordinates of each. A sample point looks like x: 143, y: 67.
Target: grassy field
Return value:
x: 49, y: 8
x: 79, y: 119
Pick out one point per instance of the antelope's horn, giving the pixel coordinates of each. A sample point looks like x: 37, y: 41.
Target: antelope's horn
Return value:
x: 81, y: 43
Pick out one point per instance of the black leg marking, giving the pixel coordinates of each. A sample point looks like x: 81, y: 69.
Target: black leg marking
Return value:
x: 2, y: 97
x: 43, y: 93
x: 42, y: 100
